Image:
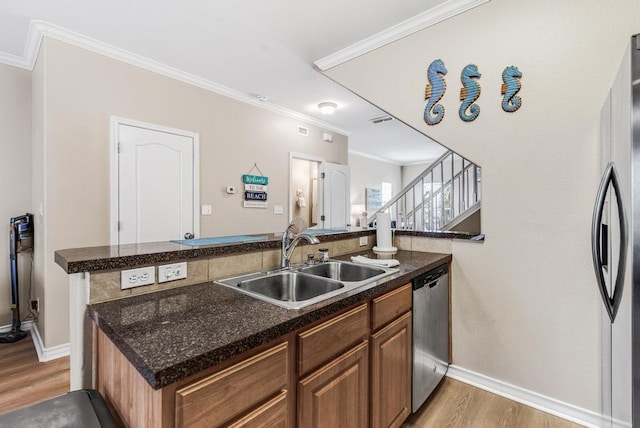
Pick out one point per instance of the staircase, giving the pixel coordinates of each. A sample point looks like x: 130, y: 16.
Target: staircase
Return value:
x: 444, y: 197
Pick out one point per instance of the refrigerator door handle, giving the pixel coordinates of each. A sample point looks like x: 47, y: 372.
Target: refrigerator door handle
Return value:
x: 611, y: 303
x: 604, y: 245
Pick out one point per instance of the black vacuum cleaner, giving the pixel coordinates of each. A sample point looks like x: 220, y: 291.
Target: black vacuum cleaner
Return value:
x: 20, y: 239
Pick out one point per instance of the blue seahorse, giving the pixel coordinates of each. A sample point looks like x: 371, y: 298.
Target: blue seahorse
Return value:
x: 434, y: 92
x: 469, y: 92
x: 511, y: 78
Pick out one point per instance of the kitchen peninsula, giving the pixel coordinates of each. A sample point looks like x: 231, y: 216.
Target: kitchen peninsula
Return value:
x: 191, y: 329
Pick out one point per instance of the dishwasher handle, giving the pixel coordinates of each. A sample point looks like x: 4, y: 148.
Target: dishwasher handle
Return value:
x: 433, y: 283
x: 430, y: 278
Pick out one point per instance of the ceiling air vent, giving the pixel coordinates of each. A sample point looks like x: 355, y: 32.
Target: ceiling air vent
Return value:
x: 380, y: 119
x: 303, y: 131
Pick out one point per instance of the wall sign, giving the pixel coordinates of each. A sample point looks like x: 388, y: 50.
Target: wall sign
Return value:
x: 255, y: 196
x: 255, y: 204
x: 255, y: 179
x: 255, y: 189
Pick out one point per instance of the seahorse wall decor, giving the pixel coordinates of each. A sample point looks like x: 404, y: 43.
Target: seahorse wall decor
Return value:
x: 434, y: 92
x: 511, y: 78
x: 469, y: 92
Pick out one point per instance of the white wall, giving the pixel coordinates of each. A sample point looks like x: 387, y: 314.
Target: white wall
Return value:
x: 525, y: 303
x: 369, y: 172
x: 81, y: 89
x: 15, y: 177
x: 410, y: 172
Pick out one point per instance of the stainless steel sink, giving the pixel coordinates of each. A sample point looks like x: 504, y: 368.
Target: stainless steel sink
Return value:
x: 341, y: 271
x: 290, y: 286
x: 300, y: 286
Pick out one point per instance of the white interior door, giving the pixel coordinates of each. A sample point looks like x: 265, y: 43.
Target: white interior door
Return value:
x: 336, y: 208
x: 156, y: 182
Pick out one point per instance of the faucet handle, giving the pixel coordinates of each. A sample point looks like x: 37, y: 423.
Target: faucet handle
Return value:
x: 310, y: 258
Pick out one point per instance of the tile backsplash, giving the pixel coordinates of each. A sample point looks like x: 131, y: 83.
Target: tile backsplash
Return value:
x: 106, y: 285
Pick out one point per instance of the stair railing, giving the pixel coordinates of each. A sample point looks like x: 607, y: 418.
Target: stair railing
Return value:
x: 446, y: 189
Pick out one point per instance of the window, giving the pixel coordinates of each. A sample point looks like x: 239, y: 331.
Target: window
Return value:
x: 387, y: 192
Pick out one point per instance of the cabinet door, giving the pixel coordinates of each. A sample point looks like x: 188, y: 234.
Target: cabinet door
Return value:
x: 391, y: 373
x: 337, y: 394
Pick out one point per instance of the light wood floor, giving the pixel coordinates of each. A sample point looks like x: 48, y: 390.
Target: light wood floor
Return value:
x: 24, y: 380
x: 456, y: 404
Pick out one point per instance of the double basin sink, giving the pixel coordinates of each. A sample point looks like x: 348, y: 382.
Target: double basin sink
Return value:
x: 297, y: 287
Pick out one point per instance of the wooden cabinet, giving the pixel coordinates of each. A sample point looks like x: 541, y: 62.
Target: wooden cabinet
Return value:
x: 337, y: 394
x: 335, y: 374
x: 391, y: 373
x: 214, y: 400
x: 391, y: 357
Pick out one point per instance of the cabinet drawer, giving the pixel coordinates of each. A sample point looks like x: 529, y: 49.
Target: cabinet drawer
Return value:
x: 272, y: 414
x: 222, y: 396
x: 330, y: 338
x: 389, y: 306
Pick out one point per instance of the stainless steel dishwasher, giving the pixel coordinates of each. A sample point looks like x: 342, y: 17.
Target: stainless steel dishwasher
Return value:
x: 430, y: 332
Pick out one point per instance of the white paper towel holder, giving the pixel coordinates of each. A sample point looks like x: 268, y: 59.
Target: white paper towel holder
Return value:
x: 385, y: 253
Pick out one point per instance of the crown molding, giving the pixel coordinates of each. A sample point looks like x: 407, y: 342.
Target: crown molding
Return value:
x: 39, y: 29
x: 444, y: 11
x: 374, y: 157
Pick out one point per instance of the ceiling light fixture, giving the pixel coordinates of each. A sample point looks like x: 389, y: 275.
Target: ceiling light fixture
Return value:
x: 327, y: 108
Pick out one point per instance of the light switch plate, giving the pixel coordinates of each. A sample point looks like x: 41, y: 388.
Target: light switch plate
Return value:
x: 364, y: 240
x: 278, y: 209
x: 172, y: 272
x: 205, y: 209
x: 137, y: 277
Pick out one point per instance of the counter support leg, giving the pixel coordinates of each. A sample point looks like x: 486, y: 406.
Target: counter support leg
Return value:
x: 80, y: 342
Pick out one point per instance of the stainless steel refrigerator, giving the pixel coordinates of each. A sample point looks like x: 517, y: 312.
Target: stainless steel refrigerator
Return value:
x: 616, y: 244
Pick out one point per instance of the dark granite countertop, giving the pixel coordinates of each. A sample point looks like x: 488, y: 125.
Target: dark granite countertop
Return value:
x: 95, y: 259
x: 172, y: 334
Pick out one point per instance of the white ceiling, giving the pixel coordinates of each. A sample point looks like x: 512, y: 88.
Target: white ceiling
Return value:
x: 255, y: 47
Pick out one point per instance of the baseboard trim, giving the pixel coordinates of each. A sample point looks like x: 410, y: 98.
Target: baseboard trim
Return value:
x: 538, y: 401
x: 44, y: 354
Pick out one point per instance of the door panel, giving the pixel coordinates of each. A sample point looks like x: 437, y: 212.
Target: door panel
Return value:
x: 156, y: 185
x: 337, y: 394
x: 336, y: 200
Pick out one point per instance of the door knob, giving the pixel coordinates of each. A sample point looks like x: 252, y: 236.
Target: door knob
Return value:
x: 188, y: 235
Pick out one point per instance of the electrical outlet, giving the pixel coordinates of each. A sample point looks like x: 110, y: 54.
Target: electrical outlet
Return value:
x: 137, y: 277
x: 35, y: 305
x: 364, y: 240
x: 172, y: 272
